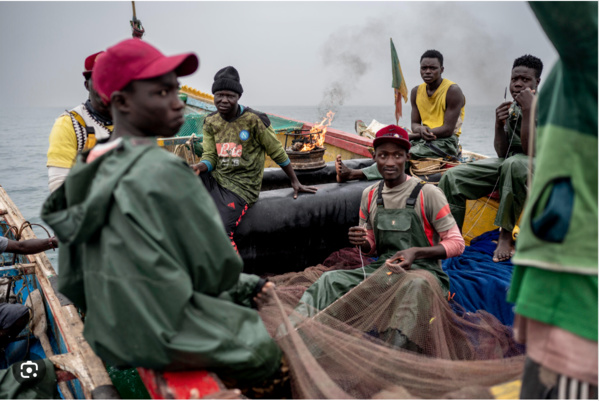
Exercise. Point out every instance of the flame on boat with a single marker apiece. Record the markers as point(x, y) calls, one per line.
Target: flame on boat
point(317, 133)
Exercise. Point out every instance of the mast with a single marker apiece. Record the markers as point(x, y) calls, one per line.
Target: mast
point(137, 30)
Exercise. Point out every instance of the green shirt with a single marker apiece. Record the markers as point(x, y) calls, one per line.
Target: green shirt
point(555, 278)
point(235, 151)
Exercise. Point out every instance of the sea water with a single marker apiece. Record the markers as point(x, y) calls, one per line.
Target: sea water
point(24, 143)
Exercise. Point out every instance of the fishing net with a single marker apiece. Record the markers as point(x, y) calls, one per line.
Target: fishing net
point(194, 121)
point(395, 335)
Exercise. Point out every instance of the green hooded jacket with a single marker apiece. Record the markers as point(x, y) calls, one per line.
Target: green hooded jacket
point(144, 254)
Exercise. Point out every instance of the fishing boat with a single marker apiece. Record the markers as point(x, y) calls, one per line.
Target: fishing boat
point(306, 230)
point(311, 227)
point(55, 331)
point(316, 225)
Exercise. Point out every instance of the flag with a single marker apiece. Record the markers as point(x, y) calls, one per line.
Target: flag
point(399, 84)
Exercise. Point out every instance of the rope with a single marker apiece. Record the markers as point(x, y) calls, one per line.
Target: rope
point(429, 166)
point(19, 231)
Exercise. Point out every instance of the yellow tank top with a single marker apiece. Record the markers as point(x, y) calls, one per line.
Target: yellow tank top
point(432, 109)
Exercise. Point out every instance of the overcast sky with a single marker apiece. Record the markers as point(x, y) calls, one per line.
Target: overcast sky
point(287, 53)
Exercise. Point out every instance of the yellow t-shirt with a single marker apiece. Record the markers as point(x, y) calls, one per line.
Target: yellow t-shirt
point(63, 142)
point(432, 109)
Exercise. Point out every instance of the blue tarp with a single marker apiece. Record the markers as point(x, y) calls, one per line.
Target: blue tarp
point(480, 283)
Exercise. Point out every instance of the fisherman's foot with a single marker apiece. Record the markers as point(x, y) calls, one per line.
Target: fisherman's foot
point(505, 246)
point(343, 172)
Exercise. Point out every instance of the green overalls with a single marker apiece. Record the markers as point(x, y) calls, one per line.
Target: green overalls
point(394, 230)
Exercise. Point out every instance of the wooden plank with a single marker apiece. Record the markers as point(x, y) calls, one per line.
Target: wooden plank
point(80, 360)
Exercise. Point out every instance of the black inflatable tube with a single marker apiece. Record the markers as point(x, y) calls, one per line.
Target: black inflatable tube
point(275, 177)
point(279, 234)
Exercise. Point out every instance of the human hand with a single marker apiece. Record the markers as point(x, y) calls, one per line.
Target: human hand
point(54, 242)
point(357, 236)
point(265, 294)
point(428, 135)
point(405, 258)
point(502, 113)
point(525, 99)
point(199, 168)
point(297, 187)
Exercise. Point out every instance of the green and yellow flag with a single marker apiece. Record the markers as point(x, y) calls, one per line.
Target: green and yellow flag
point(399, 84)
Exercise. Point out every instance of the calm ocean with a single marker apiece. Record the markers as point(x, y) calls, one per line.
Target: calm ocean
point(24, 143)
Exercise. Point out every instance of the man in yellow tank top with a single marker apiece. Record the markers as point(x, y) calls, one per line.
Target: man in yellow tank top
point(437, 111)
point(437, 116)
point(76, 130)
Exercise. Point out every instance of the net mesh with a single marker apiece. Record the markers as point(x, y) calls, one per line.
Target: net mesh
point(392, 336)
point(194, 121)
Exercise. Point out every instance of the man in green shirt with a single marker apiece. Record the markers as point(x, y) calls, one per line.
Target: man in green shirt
point(235, 141)
point(507, 172)
point(554, 285)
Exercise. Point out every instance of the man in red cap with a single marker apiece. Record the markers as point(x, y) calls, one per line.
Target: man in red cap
point(143, 250)
point(77, 130)
point(402, 220)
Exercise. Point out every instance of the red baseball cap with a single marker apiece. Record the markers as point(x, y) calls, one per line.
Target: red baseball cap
point(135, 59)
point(392, 133)
point(89, 64)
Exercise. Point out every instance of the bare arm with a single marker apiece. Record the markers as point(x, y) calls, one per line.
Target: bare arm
point(297, 186)
point(416, 119)
point(408, 256)
point(31, 246)
point(455, 102)
point(501, 141)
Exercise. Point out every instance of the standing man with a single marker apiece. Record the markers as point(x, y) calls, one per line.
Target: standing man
point(77, 130)
point(143, 251)
point(438, 107)
point(508, 172)
point(235, 141)
point(554, 285)
point(402, 220)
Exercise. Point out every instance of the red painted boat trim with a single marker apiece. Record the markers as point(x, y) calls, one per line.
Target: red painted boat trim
point(353, 143)
point(180, 385)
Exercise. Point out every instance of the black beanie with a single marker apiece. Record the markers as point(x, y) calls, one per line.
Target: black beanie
point(227, 79)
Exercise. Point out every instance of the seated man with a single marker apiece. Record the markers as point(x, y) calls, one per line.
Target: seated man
point(507, 173)
point(236, 139)
point(14, 317)
point(424, 234)
point(144, 253)
point(438, 107)
point(77, 130)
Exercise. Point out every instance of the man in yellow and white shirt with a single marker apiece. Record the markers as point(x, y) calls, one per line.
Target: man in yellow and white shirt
point(77, 130)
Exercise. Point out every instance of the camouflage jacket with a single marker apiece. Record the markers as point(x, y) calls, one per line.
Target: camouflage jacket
point(234, 151)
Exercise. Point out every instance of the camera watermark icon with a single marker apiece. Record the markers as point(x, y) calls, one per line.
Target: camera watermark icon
point(30, 372)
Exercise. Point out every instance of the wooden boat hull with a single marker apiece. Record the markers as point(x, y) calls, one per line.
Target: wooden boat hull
point(80, 372)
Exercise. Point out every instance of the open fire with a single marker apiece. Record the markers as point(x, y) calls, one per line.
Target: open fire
point(307, 149)
point(315, 138)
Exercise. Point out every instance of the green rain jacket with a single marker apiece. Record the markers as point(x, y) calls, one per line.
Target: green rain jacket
point(144, 254)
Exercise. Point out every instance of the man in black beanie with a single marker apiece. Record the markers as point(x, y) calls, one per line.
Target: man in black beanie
point(235, 141)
